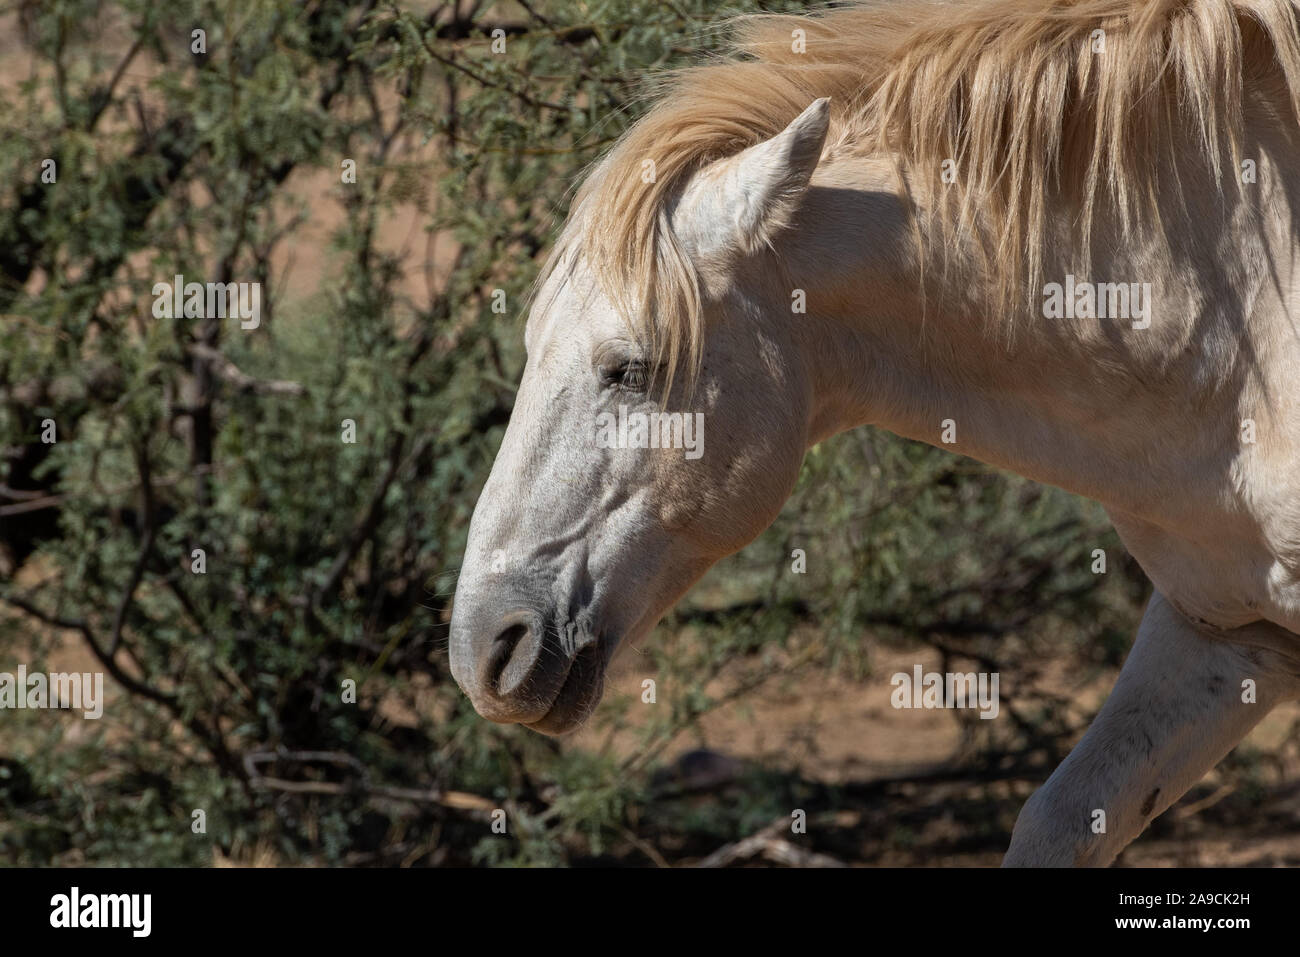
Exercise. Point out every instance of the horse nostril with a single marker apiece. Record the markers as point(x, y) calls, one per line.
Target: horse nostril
point(511, 659)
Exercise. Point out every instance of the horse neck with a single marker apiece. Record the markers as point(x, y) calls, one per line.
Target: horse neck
point(1099, 408)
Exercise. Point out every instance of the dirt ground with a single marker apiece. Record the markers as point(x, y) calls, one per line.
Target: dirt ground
point(900, 791)
point(894, 788)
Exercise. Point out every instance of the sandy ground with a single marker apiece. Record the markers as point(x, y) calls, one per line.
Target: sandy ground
point(828, 730)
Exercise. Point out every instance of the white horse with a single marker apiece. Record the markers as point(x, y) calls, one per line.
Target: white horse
point(1068, 231)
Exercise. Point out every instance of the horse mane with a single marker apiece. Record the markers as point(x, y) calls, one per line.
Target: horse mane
point(1011, 91)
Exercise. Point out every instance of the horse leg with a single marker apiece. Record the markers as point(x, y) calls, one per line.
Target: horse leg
point(1182, 702)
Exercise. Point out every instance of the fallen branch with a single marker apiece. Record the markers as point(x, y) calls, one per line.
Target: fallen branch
point(456, 800)
point(769, 845)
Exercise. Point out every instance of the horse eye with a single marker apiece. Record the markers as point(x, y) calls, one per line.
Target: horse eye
point(628, 375)
point(634, 377)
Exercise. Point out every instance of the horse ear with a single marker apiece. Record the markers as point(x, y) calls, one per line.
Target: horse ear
point(741, 202)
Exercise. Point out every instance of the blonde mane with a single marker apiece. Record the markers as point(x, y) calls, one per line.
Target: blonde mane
point(1010, 90)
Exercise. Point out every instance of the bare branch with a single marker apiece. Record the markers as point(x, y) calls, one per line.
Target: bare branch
point(229, 373)
point(768, 844)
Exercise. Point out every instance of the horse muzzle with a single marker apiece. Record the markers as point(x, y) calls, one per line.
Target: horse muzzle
point(524, 667)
